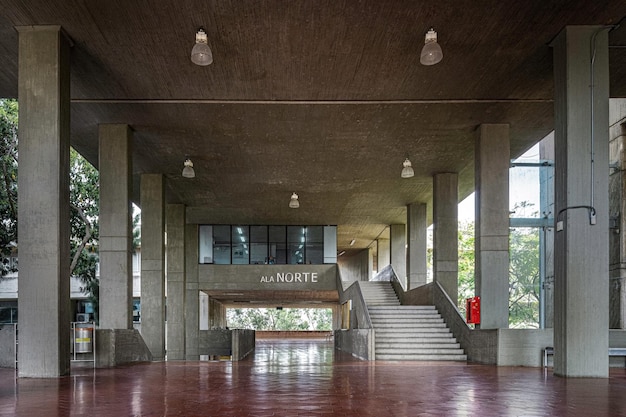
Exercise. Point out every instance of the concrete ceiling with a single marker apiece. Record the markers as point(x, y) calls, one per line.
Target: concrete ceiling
point(321, 97)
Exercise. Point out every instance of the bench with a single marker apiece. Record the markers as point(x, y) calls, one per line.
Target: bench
point(549, 350)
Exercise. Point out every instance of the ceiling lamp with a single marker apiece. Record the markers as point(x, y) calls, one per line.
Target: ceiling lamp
point(201, 53)
point(407, 170)
point(294, 203)
point(431, 52)
point(188, 171)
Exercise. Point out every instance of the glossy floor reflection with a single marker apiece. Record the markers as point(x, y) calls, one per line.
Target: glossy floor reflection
point(309, 378)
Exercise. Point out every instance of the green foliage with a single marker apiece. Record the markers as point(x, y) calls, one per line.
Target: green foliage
point(84, 202)
point(8, 181)
point(466, 264)
point(275, 319)
point(524, 278)
point(523, 273)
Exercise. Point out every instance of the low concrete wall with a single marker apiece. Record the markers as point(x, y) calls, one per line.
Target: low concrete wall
point(215, 342)
point(7, 346)
point(120, 346)
point(523, 347)
point(243, 343)
point(359, 339)
point(358, 342)
point(300, 334)
point(237, 343)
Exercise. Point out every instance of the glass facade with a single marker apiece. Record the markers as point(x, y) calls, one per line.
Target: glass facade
point(256, 245)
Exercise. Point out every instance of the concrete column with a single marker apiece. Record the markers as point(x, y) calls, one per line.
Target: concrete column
point(384, 253)
point(153, 264)
point(192, 296)
point(417, 231)
point(398, 251)
point(581, 248)
point(492, 154)
point(176, 289)
point(546, 243)
point(116, 270)
point(617, 235)
point(43, 200)
point(445, 233)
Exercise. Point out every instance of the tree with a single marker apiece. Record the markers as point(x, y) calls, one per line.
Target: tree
point(466, 263)
point(84, 203)
point(8, 182)
point(275, 319)
point(84, 233)
point(524, 278)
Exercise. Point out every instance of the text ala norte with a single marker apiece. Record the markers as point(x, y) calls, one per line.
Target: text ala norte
point(290, 277)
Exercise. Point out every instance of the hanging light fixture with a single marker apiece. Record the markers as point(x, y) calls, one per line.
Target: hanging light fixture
point(188, 171)
point(431, 52)
point(407, 169)
point(294, 203)
point(201, 53)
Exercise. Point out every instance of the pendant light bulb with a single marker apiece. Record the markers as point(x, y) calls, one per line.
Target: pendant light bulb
point(201, 53)
point(294, 203)
point(188, 171)
point(431, 52)
point(407, 169)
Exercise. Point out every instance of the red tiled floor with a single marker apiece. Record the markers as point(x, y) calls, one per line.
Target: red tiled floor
point(308, 378)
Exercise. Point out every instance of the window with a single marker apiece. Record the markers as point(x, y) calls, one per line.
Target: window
point(221, 245)
point(240, 245)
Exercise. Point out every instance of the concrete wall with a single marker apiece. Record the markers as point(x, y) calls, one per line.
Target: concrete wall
point(7, 346)
point(223, 342)
point(358, 342)
point(354, 267)
point(359, 339)
point(243, 343)
point(523, 347)
point(120, 346)
point(266, 277)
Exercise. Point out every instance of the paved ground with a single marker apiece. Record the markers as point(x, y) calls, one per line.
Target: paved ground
point(309, 378)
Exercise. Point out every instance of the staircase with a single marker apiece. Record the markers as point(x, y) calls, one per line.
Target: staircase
point(415, 333)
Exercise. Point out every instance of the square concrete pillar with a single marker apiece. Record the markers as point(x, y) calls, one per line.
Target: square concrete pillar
point(617, 234)
point(176, 289)
point(192, 295)
point(398, 251)
point(492, 155)
point(116, 269)
point(417, 232)
point(384, 253)
point(43, 200)
point(153, 264)
point(581, 291)
point(446, 233)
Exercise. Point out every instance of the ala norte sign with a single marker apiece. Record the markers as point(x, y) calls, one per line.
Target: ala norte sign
point(290, 277)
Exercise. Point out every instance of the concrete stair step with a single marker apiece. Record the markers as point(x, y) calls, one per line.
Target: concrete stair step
point(412, 331)
point(417, 338)
point(409, 357)
point(406, 320)
point(409, 346)
point(420, 351)
point(406, 326)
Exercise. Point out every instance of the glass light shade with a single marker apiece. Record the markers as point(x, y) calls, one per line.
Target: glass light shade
point(188, 171)
point(201, 53)
point(294, 203)
point(431, 52)
point(407, 170)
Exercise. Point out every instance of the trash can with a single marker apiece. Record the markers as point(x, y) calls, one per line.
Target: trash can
point(83, 339)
